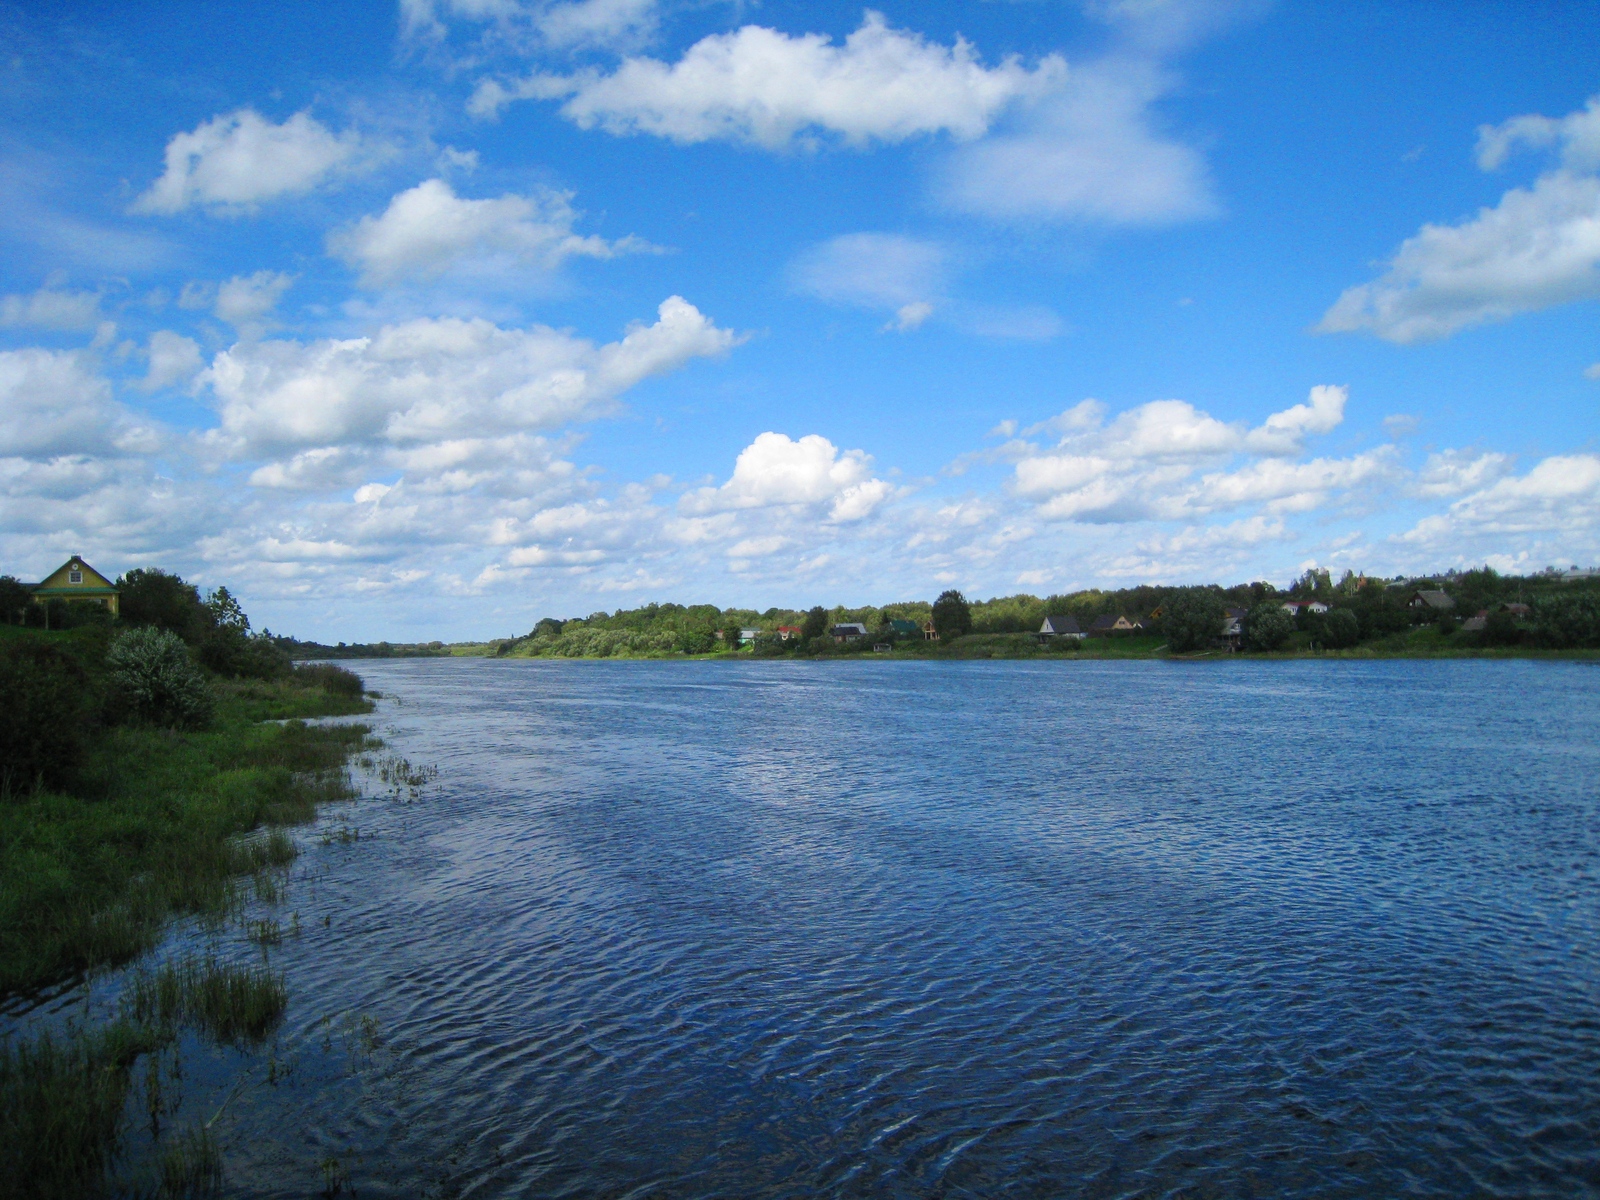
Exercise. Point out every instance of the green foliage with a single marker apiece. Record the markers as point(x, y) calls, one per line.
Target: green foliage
point(815, 624)
point(14, 600)
point(1192, 619)
point(1268, 626)
point(1501, 630)
point(1567, 622)
point(47, 711)
point(952, 616)
point(151, 596)
point(157, 679)
point(1341, 629)
point(1445, 622)
point(730, 637)
point(337, 681)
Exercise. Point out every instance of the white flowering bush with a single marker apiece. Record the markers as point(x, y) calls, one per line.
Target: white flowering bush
point(158, 680)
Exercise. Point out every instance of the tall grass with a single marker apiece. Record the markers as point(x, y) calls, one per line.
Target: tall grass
point(232, 1004)
point(61, 1108)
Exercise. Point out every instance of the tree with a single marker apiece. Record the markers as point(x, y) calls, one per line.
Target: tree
point(151, 596)
point(45, 718)
point(952, 616)
point(1191, 619)
point(815, 624)
point(731, 637)
point(157, 678)
point(14, 600)
point(1341, 629)
point(1501, 630)
point(1268, 626)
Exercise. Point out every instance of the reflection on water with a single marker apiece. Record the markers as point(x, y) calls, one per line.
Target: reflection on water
point(1090, 929)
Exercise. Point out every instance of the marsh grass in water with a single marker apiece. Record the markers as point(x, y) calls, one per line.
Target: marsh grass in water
point(89, 882)
point(191, 1166)
point(231, 1004)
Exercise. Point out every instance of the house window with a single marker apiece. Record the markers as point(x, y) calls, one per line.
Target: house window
point(74, 576)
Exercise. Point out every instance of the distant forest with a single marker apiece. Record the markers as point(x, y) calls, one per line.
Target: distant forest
point(1379, 606)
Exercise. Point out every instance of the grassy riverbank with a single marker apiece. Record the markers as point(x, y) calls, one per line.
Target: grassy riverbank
point(156, 821)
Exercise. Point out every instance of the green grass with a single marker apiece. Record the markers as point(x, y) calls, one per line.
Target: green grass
point(88, 881)
point(233, 1005)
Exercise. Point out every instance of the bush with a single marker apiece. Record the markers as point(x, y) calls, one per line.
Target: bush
point(1268, 626)
point(1341, 629)
point(229, 652)
point(160, 683)
point(1501, 630)
point(47, 710)
point(330, 678)
point(1192, 619)
point(14, 600)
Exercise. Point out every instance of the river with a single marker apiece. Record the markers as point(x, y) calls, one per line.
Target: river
point(976, 929)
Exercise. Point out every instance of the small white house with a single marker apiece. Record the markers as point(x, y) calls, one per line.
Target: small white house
point(746, 636)
point(1066, 627)
point(1295, 607)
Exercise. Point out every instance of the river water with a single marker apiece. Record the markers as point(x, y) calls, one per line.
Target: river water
point(947, 929)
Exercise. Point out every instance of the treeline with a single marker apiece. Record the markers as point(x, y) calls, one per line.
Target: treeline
point(297, 649)
point(1560, 615)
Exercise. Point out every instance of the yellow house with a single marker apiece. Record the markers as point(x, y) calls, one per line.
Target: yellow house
point(77, 580)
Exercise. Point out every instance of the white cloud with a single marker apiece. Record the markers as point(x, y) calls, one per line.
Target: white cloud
point(766, 88)
point(570, 25)
point(775, 470)
point(910, 316)
point(1539, 246)
point(1452, 472)
point(54, 402)
point(51, 308)
point(874, 270)
point(246, 300)
point(431, 379)
point(428, 229)
point(1091, 151)
point(1552, 512)
point(233, 162)
point(1592, 371)
point(1144, 464)
point(173, 359)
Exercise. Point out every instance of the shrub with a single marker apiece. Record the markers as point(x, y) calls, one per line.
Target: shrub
point(330, 677)
point(160, 683)
point(14, 599)
point(1268, 626)
point(1566, 622)
point(47, 709)
point(1341, 629)
point(1501, 630)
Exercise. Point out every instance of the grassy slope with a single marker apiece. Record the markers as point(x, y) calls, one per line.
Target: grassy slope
point(87, 881)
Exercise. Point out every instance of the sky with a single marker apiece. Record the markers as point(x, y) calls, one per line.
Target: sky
point(425, 320)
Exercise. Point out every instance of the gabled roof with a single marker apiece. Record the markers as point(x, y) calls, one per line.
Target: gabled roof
point(1060, 625)
point(1237, 614)
point(1433, 598)
point(1106, 622)
point(900, 626)
point(849, 627)
point(59, 582)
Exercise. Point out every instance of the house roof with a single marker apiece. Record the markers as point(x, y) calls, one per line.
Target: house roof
point(850, 627)
point(900, 626)
point(1061, 624)
point(1434, 598)
point(788, 629)
point(59, 582)
point(1237, 614)
point(1106, 622)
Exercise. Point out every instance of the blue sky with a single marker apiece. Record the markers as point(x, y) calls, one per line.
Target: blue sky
point(427, 320)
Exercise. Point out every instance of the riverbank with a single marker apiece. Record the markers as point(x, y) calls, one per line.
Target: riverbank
point(1422, 642)
point(156, 823)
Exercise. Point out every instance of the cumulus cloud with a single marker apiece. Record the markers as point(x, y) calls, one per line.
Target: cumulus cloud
point(1092, 151)
point(173, 359)
point(428, 229)
point(1554, 510)
point(775, 470)
point(1538, 247)
point(51, 308)
point(54, 402)
point(234, 162)
point(431, 379)
point(1452, 472)
point(1146, 463)
point(762, 87)
point(246, 300)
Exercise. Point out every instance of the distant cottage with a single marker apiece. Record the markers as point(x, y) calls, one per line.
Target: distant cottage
point(848, 631)
point(1062, 626)
point(785, 632)
point(76, 580)
point(905, 629)
point(1105, 626)
point(1430, 601)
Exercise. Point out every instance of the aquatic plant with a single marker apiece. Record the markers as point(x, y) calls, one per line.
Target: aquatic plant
point(230, 1003)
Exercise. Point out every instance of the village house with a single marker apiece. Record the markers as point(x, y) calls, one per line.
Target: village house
point(76, 580)
point(785, 632)
point(848, 631)
point(747, 636)
point(929, 633)
point(1295, 607)
point(1233, 620)
point(1055, 627)
point(1430, 601)
point(1108, 625)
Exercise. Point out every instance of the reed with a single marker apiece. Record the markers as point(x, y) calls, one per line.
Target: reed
point(191, 1166)
point(230, 1003)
